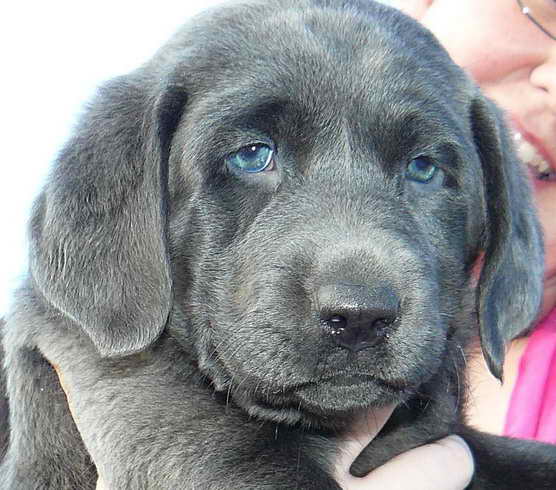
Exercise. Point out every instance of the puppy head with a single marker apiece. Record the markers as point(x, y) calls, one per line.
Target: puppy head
point(308, 194)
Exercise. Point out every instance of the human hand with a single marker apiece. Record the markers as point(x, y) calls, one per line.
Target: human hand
point(446, 464)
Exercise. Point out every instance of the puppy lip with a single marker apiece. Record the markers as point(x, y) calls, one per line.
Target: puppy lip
point(397, 386)
point(338, 379)
point(346, 379)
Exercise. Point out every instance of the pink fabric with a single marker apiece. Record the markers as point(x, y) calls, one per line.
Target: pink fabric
point(532, 410)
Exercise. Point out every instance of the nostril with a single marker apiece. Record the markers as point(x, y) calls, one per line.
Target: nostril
point(335, 325)
point(337, 321)
point(383, 323)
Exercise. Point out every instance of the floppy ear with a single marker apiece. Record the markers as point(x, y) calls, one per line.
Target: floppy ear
point(511, 283)
point(98, 250)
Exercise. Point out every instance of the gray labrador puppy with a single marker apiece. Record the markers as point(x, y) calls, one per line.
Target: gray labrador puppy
point(265, 231)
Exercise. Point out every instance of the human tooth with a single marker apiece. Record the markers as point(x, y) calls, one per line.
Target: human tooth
point(529, 155)
point(526, 151)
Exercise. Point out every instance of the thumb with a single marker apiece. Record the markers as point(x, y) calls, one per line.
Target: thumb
point(444, 465)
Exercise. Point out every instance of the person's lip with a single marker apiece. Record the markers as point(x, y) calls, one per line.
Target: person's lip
point(532, 153)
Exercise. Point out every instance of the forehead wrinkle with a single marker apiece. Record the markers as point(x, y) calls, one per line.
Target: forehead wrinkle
point(332, 152)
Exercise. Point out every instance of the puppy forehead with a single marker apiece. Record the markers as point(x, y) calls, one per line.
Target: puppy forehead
point(307, 49)
point(325, 62)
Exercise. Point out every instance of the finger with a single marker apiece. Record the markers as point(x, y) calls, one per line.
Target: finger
point(444, 465)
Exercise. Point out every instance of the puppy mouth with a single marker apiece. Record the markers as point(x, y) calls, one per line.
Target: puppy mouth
point(342, 395)
point(326, 402)
point(350, 379)
point(347, 380)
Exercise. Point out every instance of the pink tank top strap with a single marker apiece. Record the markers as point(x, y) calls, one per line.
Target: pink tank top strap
point(532, 410)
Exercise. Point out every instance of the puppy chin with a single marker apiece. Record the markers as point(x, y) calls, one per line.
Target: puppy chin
point(277, 411)
point(326, 405)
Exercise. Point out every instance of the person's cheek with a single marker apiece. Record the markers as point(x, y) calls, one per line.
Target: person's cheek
point(413, 8)
point(465, 36)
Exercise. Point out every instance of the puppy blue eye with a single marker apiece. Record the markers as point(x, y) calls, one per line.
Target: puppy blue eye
point(252, 158)
point(421, 170)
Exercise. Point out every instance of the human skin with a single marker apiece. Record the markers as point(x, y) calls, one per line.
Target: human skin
point(514, 62)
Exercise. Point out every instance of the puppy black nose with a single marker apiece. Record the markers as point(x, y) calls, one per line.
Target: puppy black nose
point(355, 316)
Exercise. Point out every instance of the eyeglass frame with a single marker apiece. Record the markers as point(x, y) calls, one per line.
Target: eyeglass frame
point(525, 10)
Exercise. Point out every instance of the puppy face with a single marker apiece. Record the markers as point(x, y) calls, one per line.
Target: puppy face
point(322, 219)
point(305, 186)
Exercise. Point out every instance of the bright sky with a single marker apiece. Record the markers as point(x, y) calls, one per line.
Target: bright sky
point(53, 56)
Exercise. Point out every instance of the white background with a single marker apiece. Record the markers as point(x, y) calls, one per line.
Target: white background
point(53, 55)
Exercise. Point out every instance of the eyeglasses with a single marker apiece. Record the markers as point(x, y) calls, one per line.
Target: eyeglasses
point(542, 13)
